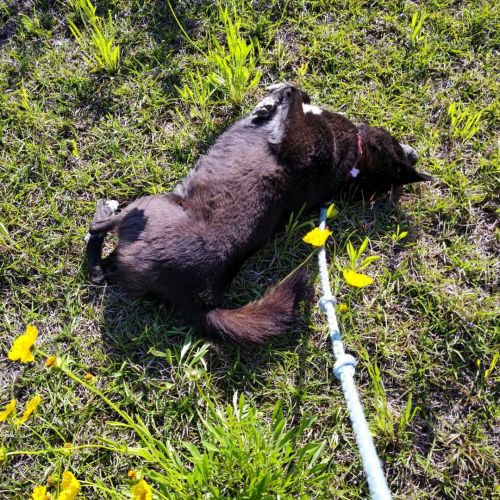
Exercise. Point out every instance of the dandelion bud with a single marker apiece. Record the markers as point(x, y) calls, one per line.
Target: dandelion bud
point(343, 308)
point(3, 455)
point(134, 475)
point(193, 374)
point(54, 362)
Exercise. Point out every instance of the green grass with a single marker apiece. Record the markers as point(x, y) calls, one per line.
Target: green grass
point(234, 422)
point(101, 52)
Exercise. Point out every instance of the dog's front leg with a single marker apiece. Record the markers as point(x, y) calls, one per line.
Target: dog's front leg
point(299, 140)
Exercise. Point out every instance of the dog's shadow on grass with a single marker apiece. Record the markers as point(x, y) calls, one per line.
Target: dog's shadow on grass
point(142, 332)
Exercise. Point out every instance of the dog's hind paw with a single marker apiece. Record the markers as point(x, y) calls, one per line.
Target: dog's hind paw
point(112, 205)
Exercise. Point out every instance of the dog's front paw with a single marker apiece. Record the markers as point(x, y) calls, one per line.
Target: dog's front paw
point(279, 93)
point(265, 108)
point(279, 86)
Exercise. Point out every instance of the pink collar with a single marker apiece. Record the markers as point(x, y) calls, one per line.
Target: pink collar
point(360, 144)
point(354, 172)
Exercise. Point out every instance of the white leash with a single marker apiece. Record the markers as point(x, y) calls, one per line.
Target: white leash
point(344, 369)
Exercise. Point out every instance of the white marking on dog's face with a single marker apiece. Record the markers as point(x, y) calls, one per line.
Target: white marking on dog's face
point(308, 108)
point(354, 172)
point(407, 149)
point(410, 153)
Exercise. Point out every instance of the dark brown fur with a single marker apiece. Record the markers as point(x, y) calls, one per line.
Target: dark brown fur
point(185, 247)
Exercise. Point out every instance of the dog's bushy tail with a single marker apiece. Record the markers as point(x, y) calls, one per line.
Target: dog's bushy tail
point(104, 221)
point(258, 321)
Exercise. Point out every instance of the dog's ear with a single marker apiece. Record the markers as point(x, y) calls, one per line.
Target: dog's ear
point(410, 175)
point(425, 177)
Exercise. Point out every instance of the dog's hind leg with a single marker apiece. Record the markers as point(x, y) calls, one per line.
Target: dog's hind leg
point(104, 220)
point(94, 258)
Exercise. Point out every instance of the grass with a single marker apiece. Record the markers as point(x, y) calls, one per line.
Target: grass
point(220, 420)
point(101, 52)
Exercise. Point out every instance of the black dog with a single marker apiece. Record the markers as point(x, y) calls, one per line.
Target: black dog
point(185, 247)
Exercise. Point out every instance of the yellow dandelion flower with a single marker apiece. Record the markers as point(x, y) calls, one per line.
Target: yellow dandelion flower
point(142, 491)
point(30, 408)
point(4, 415)
point(21, 348)
point(343, 308)
point(89, 377)
point(357, 280)
point(317, 237)
point(40, 493)
point(132, 475)
point(70, 486)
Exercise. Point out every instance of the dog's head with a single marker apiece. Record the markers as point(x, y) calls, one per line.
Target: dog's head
point(383, 162)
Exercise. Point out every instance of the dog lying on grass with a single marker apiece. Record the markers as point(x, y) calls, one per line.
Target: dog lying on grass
point(186, 246)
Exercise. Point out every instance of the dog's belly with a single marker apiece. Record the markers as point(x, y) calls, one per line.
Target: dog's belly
point(238, 190)
point(188, 246)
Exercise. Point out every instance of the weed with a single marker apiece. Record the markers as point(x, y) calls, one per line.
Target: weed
point(197, 94)
point(32, 25)
point(385, 420)
point(417, 23)
point(398, 235)
point(493, 363)
point(295, 224)
point(465, 121)
point(190, 360)
point(4, 234)
point(355, 256)
point(25, 103)
point(253, 460)
point(85, 9)
point(233, 68)
point(100, 50)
